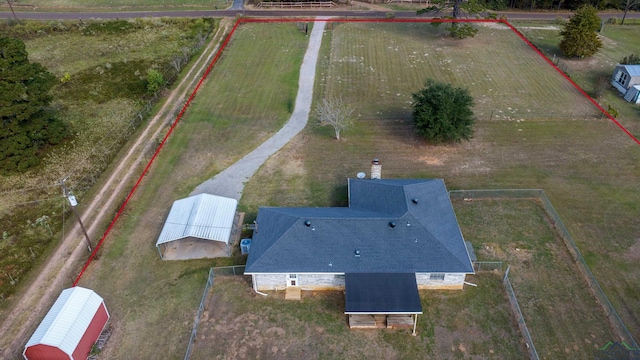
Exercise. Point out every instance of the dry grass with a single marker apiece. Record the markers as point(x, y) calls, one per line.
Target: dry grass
point(588, 167)
point(237, 323)
point(618, 41)
point(100, 103)
point(563, 317)
point(139, 287)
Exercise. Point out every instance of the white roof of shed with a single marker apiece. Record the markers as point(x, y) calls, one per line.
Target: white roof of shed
point(67, 320)
point(203, 216)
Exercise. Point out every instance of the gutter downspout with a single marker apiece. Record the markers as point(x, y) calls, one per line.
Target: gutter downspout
point(255, 286)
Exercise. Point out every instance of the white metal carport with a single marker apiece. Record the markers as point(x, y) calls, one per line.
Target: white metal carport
point(197, 227)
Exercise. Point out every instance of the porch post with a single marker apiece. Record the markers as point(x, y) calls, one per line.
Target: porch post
point(415, 322)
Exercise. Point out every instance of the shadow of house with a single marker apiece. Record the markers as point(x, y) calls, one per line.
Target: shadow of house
point(197, 227)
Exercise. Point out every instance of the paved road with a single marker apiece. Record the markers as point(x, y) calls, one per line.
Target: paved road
point(236, 9)
point(230, 182)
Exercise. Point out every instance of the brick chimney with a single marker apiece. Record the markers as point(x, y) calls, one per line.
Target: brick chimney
point(376, 169)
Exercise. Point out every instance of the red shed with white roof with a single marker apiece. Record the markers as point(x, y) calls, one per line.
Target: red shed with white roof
point(70, 328)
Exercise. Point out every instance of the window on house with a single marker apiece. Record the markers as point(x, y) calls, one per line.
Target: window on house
point(340, 276)
point(436, 277)
point(623, 79)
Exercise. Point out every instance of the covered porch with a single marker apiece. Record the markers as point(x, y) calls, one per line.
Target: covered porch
point(382, 300)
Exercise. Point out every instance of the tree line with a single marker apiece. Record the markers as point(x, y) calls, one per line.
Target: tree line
point(572, 5)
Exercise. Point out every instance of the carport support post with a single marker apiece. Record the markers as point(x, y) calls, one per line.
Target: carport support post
point(415, 322)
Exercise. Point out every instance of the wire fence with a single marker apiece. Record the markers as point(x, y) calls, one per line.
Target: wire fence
point(220, 271)
point(538, 194)
point(487, 266)
point(515, 308)
point(229, 270)
point(196, 322)
point(471, 195)
point(609, 310)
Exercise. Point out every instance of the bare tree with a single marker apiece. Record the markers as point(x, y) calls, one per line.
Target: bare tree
point(627, 5)
point(336, 113)
point(176, 62)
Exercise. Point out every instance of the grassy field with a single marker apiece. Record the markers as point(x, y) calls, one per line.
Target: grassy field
point(588, 167)
point(618, 41)
point(232, 113)
point(542, 273)
point(237, 323)
point(106, 62)
point(57, 5)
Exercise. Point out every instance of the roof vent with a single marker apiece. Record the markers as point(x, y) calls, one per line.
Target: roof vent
point(392, 224)
point(357, 252)
point(361, 175)
point(307, 223)
point(415, 201)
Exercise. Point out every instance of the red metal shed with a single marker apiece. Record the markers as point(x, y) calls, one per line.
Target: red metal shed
point(70, 328)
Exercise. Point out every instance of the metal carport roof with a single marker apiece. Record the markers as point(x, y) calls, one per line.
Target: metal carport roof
point(203, 216)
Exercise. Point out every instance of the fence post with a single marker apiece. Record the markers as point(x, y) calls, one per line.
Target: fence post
point(506, 274)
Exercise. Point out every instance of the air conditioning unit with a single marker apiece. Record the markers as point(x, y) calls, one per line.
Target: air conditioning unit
point(245, 244)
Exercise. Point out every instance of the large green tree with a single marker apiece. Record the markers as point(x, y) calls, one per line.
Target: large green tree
point(442, 112)
point(28, 122)
point(579, 37)
point(458, 9)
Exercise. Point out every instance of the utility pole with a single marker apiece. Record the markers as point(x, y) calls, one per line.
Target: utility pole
point(74, 203)
point(13, 12)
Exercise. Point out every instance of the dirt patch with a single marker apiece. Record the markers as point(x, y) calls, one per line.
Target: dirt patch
point(634, 251)
point(238, 324)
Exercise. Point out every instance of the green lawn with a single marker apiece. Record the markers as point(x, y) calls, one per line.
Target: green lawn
point(562, 315)
point(618, 41)
point(232, 112)
point(588, 167)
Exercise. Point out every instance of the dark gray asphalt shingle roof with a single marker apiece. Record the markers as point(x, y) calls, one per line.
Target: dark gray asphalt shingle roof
point(426, 236)
point(382, 294)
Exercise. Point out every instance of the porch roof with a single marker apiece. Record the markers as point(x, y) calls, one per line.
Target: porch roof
point(375, 293)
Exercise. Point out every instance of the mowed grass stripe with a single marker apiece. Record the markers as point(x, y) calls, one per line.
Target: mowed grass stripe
point(243, 100)
point(249, 95)
point(588, 168)
point(501, 71)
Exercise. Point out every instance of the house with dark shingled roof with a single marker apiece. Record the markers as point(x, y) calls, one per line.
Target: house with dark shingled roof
point(391, 227)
